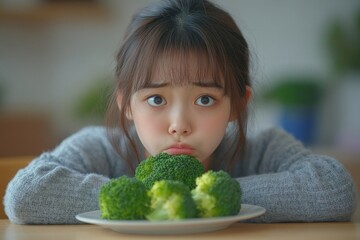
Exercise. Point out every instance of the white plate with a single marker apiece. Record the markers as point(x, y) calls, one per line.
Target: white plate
point(194, 225)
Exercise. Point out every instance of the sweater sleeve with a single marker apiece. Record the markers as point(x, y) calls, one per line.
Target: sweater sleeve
point(57, 185)
point(293, 184)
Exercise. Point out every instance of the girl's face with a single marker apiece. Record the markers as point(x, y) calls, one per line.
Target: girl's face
point(188, 119)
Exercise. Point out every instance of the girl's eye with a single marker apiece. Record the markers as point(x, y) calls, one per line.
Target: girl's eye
point(156, 101)
point(205, 101)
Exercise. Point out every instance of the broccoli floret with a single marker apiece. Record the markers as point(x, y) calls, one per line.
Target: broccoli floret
point(217, 194)
point(171, 200)
point(124, 198)
point(183, 168)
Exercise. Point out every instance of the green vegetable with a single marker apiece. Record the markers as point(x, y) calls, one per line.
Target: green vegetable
point(171, 200)
point(217, 194)
point(183, 168)
point(170, 187)
point(124, 198)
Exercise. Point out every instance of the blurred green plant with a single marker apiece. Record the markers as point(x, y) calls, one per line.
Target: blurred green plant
point(93, 102)
point(295, 91)
point(343, 45)
point(298, 97)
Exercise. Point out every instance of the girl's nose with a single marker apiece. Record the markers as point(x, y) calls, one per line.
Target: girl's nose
point(179, 126)
point(178, 131)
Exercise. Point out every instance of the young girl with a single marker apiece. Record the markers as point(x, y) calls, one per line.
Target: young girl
point(182, 87)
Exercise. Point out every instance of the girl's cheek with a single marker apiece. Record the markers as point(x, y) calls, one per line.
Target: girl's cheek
point(214, 128)
point(149, 125)
point(154, 127)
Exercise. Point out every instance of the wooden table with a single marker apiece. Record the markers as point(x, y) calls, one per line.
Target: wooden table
point(308, 231)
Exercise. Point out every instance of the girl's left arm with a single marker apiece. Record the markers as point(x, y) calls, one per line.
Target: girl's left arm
point(294, 184)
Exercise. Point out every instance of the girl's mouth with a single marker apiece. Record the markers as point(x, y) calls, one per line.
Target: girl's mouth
point(179, 149)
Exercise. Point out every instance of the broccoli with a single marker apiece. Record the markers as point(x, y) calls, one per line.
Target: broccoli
point(124, 198)
point(171, 200)
point(217, 194)
point(183, 168)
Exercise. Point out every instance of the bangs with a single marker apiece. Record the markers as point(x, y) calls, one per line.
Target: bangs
point(181, 51)
point(178, 58)
point(179, 68)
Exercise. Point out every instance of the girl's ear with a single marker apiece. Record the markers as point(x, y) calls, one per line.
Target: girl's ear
point(248, 93)
point(119, 99)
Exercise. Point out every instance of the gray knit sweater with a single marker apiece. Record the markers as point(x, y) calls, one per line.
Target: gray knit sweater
point(277, 173)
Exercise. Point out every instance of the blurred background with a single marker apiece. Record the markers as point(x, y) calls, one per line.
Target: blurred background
point(57, 61)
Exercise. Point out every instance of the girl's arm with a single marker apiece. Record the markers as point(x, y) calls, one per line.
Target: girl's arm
point(294, 184)
point(56, 186)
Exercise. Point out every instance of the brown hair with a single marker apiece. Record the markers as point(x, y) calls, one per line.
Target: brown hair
point(177, 30)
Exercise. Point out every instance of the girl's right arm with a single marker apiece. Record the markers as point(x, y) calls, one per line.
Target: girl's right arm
point(56, 186)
